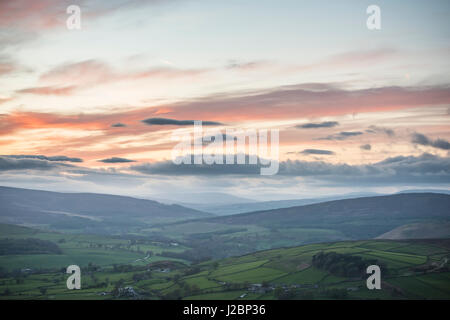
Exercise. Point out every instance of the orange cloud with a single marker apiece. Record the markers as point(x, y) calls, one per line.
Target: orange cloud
point(278, 104)
point(298, 102)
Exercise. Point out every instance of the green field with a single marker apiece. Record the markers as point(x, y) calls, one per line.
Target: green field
point(82, 250)
point(416, 269)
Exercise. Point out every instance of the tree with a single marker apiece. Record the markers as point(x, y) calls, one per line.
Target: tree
point(43, 290)
point(19, 280)
point(282, 294)
point(278, 292)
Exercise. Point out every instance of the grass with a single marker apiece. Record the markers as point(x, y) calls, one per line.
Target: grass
point(227, 278)
point(237, 268)
point(310, 275)
point(257, 275)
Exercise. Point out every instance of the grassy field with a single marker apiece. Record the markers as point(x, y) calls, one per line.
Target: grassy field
point(416, 269)
point(82, 250)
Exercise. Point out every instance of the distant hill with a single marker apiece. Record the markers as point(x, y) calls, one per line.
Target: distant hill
point(349, 219)
point(236, 208)
point(86, 211)
point(222, 206)
point(442, 191)
point(427, 230)
point(200, 200)
point(379, 211)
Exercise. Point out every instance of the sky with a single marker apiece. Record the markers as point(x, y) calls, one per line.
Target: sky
point(357, 110)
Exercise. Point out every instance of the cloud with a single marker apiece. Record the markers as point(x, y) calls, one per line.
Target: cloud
point(247, 66)
point(326, 124)
point(360, 57)
point(118, 125)
point(4, 100)
point(208, 139)
point(277, 103)
point(376, 129)
point(116, 160)
point(426, 168)
point(296, 101)
point(342, 135)
point(317, 151)
point(423, 140)
point(165, 121)
point(51, 14)
point(170, 168)
point(88, 73)
point(58, 91)
point(12, 163)
point(41, 157)
point(366, 147)
point(6, 67)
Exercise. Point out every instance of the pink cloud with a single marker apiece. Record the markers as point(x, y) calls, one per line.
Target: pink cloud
point(58, 91)
point(67, 78)
point(277, 104)
point(30, 15)
point(297, 102)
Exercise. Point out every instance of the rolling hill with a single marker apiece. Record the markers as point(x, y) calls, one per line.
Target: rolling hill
point(426, 230)
point(244, 207)
point(86, 212)
point(411, 269)
point(349, 219)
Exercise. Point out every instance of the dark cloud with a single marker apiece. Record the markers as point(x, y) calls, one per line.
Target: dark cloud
point(326, 124)
point(426, 168)
point(350, 133)
point(423, 140)
point(165, 121)
point(170, 168)
point(207, 140)
point(366, 147)
point(116, 160)
point(41, 157)
point(317, 151)
point(11, 163)
point(342, 135)
point(118, 125)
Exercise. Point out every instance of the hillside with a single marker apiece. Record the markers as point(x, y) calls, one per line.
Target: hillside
point(349, 219)
point(236, 208)
point(430, 230)
point(80, 249)
point(411, 269)
point(392, 208)
point(86, 212)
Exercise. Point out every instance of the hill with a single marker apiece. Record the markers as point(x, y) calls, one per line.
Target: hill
point(426, 230)
point(411, 269)
point(39, 250)
point(86, 212)
point(349, 219)
point(236, 208)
